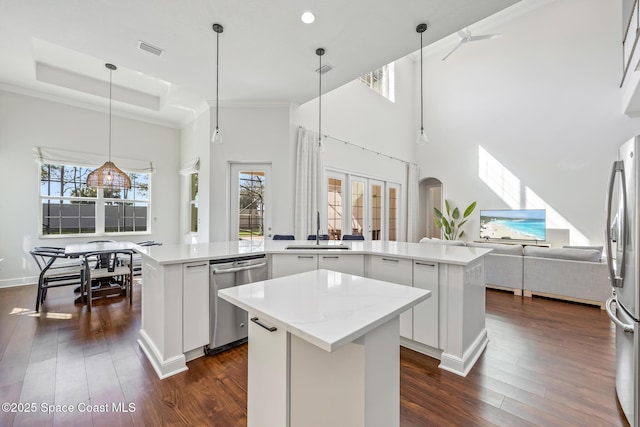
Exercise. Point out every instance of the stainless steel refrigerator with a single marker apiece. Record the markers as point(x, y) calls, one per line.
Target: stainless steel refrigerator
point(623, 258)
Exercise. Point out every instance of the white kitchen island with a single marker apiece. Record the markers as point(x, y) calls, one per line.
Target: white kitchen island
point(450, 325)
point(324, 349)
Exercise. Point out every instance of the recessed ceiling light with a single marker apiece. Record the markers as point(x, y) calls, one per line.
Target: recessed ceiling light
point(308, 17)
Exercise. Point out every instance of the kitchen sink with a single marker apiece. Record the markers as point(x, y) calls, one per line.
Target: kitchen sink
point(316, 246)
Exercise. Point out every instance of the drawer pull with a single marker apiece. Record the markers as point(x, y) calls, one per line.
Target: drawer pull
point(390, 259)
point(425, 264)
point(305, 256)
point(330, 257)
point(259, 323)
point(197, 265)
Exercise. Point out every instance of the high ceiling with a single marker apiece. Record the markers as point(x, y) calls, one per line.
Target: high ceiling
point(267, 55)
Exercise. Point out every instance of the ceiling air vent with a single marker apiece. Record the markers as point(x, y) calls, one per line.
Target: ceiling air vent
point(324, 69)
point(150, 48)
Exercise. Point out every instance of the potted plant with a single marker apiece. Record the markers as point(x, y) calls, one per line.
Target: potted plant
point(451, 228)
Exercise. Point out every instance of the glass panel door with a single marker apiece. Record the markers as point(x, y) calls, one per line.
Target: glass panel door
point(393, 194)
point(358, 186)
point(250, 201)
point(334, 207)
point(376, 215)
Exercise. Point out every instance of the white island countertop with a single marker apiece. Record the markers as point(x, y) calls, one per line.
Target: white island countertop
point(180, 253)
point(325, 308)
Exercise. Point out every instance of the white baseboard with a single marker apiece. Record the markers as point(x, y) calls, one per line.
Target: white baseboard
point(164, 368)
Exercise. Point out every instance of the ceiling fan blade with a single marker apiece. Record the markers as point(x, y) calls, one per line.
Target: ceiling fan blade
point(453, 50)
point(483, 37)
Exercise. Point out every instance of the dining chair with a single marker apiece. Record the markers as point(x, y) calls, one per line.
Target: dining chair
point(112, 277)
point(284, 237)
point(322, 237)
point(352, 237)
point(56, 270)
point(137, 258)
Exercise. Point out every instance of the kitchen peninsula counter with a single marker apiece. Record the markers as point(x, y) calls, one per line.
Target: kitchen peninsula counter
point(448, 326)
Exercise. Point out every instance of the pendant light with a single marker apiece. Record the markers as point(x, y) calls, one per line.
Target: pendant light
point(217, 135)
point(320, 147)
point(422, 138)
point(109, 176)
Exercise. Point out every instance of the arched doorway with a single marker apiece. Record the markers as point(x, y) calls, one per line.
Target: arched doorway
point(430, 196)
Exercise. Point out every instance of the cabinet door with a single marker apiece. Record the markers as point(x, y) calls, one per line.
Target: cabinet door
point(425, 314)
point(195, 305)
point(349, 264)
point(395, 270)
point(268, 381)
point(287, 264)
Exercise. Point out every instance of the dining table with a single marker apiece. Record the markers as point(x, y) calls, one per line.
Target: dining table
point(78, 250)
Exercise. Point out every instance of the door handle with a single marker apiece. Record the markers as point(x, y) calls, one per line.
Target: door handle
point(616, 280)
point(625, 327)
point(235, 269)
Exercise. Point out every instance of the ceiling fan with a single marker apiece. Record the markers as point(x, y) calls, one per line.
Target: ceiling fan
point(465, 36)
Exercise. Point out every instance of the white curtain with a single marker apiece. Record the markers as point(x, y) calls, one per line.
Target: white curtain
point(88, 160)
point(190, 167)
point(413, 176)
point(308, 181)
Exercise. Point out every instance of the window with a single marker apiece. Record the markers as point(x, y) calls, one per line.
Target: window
point(193, 202)
point(70, 208)
point(382, 81)
point(250, 201)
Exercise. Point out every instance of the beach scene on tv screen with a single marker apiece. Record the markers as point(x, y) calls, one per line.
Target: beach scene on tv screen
point(513, 224)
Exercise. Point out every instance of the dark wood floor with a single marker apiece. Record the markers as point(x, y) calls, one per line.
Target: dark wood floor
point(548, 363)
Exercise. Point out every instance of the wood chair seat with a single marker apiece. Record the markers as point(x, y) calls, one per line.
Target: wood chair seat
point(116, 266)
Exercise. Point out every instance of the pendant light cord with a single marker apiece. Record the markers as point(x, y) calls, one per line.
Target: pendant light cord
point(421, 91)
point(110, 98)
point(217, 73)
point(320, 101)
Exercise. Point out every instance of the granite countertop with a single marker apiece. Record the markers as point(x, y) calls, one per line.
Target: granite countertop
point(180, 253)
point(325, 308)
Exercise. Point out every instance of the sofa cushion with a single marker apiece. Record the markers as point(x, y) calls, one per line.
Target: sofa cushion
point(597, 248)
point(499, 248)
point(591, 255)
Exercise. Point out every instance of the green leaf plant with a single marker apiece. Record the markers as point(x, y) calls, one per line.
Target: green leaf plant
point(451, 224)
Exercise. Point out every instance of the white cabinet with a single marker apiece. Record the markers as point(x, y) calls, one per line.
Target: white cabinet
point(425, 314)
point(287, 264)
point(268, 368)
point(343, 263)
point(195, 305)
point(395, 270)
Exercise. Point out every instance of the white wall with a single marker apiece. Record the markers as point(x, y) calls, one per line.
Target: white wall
point(357, 114)
point(26, 122)
point(252, 134)
point(543, 102)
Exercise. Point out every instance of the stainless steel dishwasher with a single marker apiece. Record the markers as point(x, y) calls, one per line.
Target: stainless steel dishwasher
point(228, 323)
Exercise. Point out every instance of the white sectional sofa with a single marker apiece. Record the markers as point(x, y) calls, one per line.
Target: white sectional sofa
point(503, 266)
point(574, 273)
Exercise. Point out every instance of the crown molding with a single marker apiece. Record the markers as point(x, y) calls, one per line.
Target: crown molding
point(88, 106)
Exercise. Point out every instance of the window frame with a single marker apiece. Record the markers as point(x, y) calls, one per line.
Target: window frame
point(100, 205)
point(348, 178)
point(382, 80)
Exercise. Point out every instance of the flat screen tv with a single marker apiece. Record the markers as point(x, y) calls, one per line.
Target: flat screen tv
point(516, 224)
